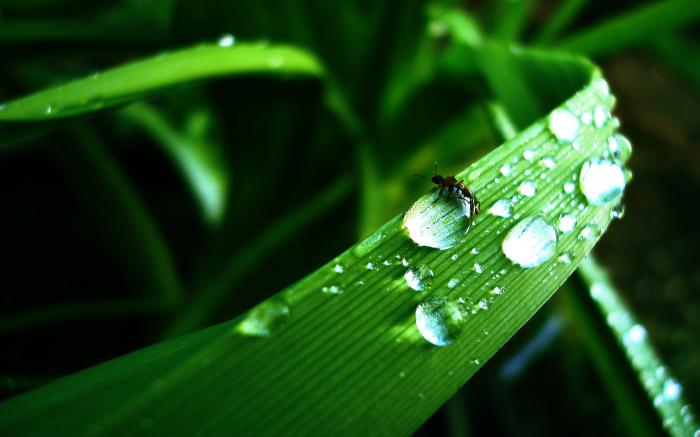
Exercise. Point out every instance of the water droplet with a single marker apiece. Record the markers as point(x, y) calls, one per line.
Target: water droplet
point(564, 258)
point(454, 257)
point(2, 107)
point(531, 242)
point(419, 277)
point(483, 304)
point(474, 251)
point(601, 181)
point(48, 109)
point(502, 208)
point(567, 223)
point(527, 188)
point(672, 389)
point(370, 266)
point(453, 283)
point(339, 268)
point(438, 221)
point(478, 268)
point(564, 125)
point(600, 116)
point(496, 291)
point(439, 320)
point(226, 40)
point(548, 162)
point(506, 170)
point(636, 334)
point(529, 154)
point(368, 244)
point(265, 319)
point(586, 118)
point(386, 262)
point(618, 211)
point(333, 289)
point(569, 187)
point(589, 232)
point(476, 361)
point(404, 262)
point(275, 61)
point(620, 148)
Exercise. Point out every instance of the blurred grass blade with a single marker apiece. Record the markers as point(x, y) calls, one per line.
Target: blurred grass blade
point(664, 391)
point(351, 360)
point(511, 19)
point(633, 28)
point(199, 159)
point(140, 79)
point(562, 17)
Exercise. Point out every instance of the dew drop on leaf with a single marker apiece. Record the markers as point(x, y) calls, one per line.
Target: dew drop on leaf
point(436, 221)
point(502, 208)
point(419, 277)
point(589, 232)
point(439, 320)
point(601, 181)
point(265, 319)
point(563, 125)
point(531, 242)
point(567, 223)
point(226, 40)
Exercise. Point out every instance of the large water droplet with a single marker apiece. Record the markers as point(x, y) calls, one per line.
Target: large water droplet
point(601, 181)
point(439, 320)
point(265, 319)
point(226, 40)
point(419, 277)
point(564, 125)
point(531, 242)
point(438, 221)
point(502, 208)
point(527, 188)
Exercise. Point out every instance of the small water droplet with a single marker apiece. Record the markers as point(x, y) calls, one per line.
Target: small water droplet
point(338, 268)
point(618, 211)
point(333, 289)
point(600, 116)
point(601, 181)
point(370, 266)
point(569, 187)
point(531, 242)
point(564, 125)
point(548, 162)
point(586, 118)
point(419, 277)
point(2, 107)
point(265, 319)
point(386, 262)
point(437, 221)
point(275, 61)
point(474, 251)
point(506, 170)
point(636, 334)
point(404, 262)
point(527, 188)
point(502, 208)
point(589, 232)
point(476, 361)
point(672, 389)
point(439, 320)
point(564, 258)
point(226, 40)
point(368, 244)
point(483, 304)
point(567, 223)
point(496, 291)
point(478, 268)
point(453, 283)
point(48, 109)
point(454, 257)
point(620, 148)
point(529, 154)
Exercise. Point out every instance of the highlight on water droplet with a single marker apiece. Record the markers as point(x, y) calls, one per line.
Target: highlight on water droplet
point(569, 187)
point(437, 221)
point(548, 162)
point(529, 154)
point(589, 232)
point(419, 277)
point(564, 258)
point(564, 125)
point(265, 319)
point(338, 268)
point(453, 283)
point(620, 148)
point(440, 320)
point(478, 268)
point(527, 188)
point(601, 181)
point(531, 242)
point(600, 116)
point(333, 289)
point(226, 40)
point(618, 211)
point(506, 170)
point(502, 208)
point(567, 223)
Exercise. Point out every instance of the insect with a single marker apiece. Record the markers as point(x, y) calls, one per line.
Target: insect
point(453, 186)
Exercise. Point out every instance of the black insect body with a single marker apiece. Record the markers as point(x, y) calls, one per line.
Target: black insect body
point(456, 189)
